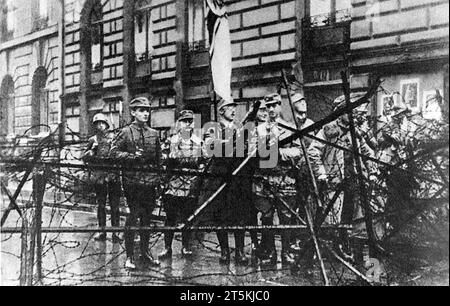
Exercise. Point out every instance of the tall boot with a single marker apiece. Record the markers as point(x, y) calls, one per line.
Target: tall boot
point(114, 202)
point(224, 247)
point(167, 253)
point(342, 246)
point(186, 239)
point(186, 236)
point(239, 239)
point(101, 216)
point(268, 251)
point(286, 256)
point(146, 255)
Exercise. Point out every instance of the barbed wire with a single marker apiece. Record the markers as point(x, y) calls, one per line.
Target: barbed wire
point(69, 188)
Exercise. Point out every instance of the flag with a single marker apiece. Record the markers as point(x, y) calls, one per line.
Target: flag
point(220, 47)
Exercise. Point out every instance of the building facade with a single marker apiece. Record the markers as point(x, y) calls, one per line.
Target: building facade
point(62, 61)
point(406, 43)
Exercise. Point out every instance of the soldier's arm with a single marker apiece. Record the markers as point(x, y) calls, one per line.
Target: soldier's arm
point(315, 152)
point(366, 150)
point(119, 148)
point(88, 152)
point(290, 154)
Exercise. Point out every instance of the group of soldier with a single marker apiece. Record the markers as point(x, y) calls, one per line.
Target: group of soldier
point(256, 192)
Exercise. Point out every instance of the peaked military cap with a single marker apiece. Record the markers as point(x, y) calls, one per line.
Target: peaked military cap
point(140, 102)
point(272, 99)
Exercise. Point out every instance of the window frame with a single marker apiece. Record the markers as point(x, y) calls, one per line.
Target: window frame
point(96, 30)
point(194, 43)
point(46, 11)
point(143, 9)
point(331, 17)
point(10, 18)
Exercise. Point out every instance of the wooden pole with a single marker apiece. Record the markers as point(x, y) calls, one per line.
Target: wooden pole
point(41, 181)
point(358, 165)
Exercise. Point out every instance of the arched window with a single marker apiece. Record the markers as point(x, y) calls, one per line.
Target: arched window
point(91, 40)
point(96, 29)
point(39, 101)
point(7, 106)
point(143, 31)
point(92, 34)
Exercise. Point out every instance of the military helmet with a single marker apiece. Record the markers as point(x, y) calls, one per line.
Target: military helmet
point(341, 101)
point(100, 117)
point(300, 100)
point(399, 110)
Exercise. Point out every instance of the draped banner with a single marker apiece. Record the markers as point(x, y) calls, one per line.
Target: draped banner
point(220, 47)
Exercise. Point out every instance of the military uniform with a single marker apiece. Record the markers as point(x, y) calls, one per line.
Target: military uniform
point(339, 168)
point(106, 183)
point(279, 182)
point(181, 195)
point(393, 146)
point(138, 146)
point(233, 206)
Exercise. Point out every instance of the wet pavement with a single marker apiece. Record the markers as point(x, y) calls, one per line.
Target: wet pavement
point(77, 259)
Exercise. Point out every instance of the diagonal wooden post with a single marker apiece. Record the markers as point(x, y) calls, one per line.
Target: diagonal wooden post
point(359, 170)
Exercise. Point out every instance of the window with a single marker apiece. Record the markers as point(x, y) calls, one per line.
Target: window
point(43, 9)
point(40, 100)
point(10, 17)
point(7, 105)
point(197, 30)
point(143, 32)
point(96, 31)
point(326, 12)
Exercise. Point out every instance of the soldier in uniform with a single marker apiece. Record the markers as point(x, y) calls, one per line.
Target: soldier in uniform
point(392, 149)
point(261, 118)
point(138, 146)
point(279, 182)
point(335, 167)
point(232, 206)
point(263, 115)
point(301, 111)
point(180, 199)
point(106, 183)
point(304, 184)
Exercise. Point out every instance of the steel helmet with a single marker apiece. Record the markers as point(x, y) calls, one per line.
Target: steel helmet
point(100, 117)
point(354, 97)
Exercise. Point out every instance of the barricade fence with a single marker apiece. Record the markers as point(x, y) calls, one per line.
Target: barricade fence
point(55, 167)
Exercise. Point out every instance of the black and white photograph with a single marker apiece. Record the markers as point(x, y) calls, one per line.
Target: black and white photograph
point(225, 148)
